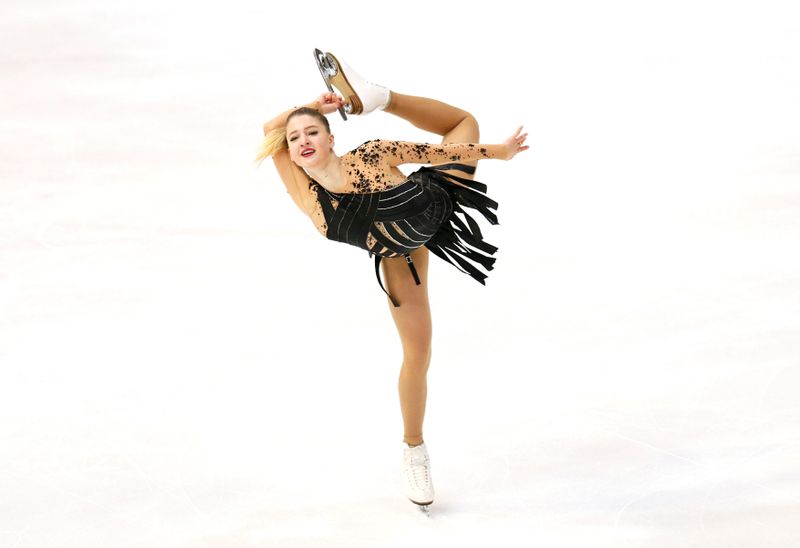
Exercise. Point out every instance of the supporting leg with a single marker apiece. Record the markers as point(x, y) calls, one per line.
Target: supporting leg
point(413, 322)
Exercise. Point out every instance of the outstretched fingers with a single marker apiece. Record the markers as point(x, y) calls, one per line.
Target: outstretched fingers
point(515, 143)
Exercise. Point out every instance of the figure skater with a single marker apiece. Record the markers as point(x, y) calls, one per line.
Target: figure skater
point(361, 198)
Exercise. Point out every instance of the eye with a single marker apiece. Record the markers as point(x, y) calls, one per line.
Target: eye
point(292, 138)
point(313, 132)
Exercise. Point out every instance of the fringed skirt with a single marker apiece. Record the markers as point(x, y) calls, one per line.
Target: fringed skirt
point(424, 210)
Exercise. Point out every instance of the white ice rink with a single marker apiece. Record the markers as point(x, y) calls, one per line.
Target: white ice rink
point(185, 362)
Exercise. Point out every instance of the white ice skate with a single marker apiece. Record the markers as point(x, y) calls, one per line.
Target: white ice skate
point(361, 96)
point(417, 476)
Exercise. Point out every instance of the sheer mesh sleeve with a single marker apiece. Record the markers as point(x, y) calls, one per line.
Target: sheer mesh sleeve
point(404, 152)
point(372, 166)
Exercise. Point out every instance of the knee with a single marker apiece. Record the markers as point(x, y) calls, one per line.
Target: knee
point(417, 360)
point(470, 125)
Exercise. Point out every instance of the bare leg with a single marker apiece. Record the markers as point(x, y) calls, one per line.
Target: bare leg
point(413, 322)
point(413, 317)
point(452, 123)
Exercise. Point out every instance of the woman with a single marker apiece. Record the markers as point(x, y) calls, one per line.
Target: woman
point(363, 199)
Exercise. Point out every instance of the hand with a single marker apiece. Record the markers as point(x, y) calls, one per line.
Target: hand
point(515, 144)
point(329, 102)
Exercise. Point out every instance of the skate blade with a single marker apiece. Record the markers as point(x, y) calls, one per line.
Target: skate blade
point(333, 75)
point(327, 70)
point(425, 508)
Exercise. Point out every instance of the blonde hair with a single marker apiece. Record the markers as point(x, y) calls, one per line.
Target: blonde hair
point(273, 142)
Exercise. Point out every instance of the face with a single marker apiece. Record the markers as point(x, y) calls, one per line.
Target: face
point(309, 142)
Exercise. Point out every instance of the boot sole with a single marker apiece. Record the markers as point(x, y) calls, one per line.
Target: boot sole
point(339, 81)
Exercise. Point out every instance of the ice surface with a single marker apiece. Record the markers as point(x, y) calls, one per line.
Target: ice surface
point(184, 362)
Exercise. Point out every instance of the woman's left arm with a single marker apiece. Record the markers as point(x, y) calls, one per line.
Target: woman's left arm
point(404, 152)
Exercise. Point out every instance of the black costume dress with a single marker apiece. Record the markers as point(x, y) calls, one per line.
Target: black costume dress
point(420, 211)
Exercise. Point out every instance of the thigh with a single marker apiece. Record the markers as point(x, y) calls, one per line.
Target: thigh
point(413, 316)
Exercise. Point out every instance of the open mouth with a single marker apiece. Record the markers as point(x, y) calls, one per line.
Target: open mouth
point(307, 152)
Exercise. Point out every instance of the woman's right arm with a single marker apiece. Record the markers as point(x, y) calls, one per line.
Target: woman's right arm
point(296, 181)
point(279, 122)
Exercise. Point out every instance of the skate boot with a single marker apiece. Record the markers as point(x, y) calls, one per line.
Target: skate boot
point(361, 96)
point(417, 476)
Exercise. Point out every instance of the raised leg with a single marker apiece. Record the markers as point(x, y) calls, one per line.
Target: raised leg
point(452, 123)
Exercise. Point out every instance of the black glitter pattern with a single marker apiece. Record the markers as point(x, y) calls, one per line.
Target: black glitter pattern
point(370, 167)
